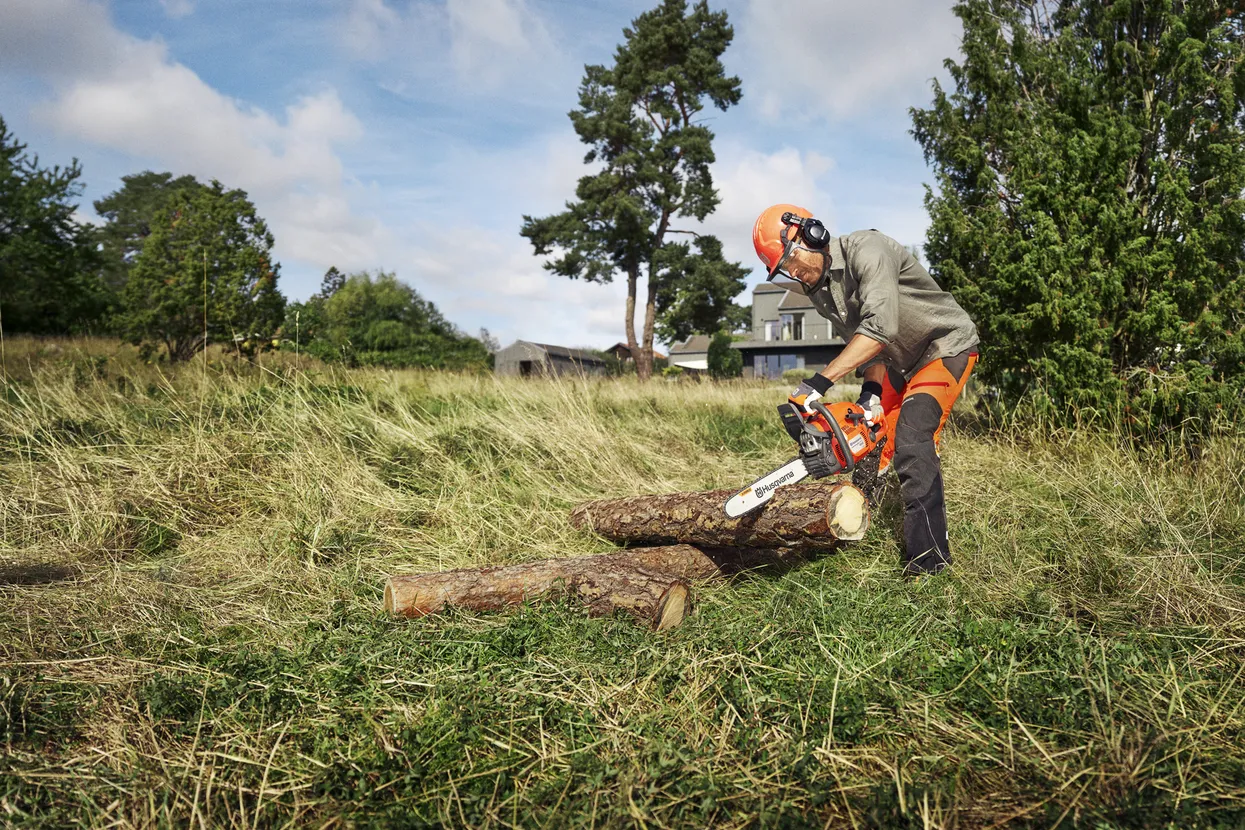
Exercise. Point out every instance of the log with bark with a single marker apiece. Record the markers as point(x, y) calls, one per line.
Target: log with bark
point(649, 583)
point(806, 516)
point(605, 583)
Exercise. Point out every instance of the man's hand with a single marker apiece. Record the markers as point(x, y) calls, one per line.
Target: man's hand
point(809, 391)
point(870, 401)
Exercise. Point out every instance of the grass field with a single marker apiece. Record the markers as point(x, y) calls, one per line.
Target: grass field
point(191, 570)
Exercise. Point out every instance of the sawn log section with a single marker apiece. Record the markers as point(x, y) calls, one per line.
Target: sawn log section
point(649, 583)
point(800, 515)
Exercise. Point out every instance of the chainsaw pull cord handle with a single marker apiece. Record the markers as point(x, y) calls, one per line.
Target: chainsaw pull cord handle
point(820, 409)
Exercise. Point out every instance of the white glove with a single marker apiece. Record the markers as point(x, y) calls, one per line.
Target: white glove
point(870, 401)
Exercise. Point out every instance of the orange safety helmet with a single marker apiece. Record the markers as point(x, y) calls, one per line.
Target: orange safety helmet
point(780, 229)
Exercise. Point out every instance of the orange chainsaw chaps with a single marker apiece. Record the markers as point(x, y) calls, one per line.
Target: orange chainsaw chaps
point(933, 379)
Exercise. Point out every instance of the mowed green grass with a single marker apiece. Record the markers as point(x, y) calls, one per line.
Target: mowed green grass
point(192, 563)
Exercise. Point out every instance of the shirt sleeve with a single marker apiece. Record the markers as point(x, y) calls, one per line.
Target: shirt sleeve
point(877, 276)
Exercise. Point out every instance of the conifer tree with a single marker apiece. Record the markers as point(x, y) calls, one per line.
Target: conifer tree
point(641, 118)
point(49, 269)
point(1088, 211)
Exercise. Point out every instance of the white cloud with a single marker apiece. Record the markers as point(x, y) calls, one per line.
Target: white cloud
point(132, 97)
point(52, 38)
point(842, 58)
point(178, 8)
point(748, 181)
point(490, 44)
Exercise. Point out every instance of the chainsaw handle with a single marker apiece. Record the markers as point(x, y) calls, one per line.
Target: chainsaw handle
point(849, 463)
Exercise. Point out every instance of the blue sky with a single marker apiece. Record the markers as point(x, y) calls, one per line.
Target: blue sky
point(412, 135)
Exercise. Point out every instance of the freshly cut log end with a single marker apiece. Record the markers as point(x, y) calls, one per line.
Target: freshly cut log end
point(848, 510)
point(810, 516)
point(673, 607)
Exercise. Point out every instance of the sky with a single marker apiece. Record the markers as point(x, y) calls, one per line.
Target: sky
point(413, 135)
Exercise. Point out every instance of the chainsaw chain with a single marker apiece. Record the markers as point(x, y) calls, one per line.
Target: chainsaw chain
point(865, 476)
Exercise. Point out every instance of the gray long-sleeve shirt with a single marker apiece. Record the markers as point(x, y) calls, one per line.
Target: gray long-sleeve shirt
point(878, 289)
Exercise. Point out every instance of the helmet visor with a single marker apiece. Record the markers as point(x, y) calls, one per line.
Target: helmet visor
point(782, 273)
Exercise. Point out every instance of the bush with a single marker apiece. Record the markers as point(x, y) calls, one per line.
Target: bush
point(724, 362)
point(380, 321)
point(794, 375)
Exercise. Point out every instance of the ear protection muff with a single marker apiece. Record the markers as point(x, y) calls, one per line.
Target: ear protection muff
point(814, 233)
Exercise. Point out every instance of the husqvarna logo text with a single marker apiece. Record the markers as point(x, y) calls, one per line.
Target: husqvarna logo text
point(761, 491)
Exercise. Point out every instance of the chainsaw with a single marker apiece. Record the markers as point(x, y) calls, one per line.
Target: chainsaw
point(832, 440)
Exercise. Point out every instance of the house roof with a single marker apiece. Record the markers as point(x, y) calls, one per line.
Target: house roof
point(623, 347)
point(578, 355)
point(767, 288)
point(794, 301)
point(695, 343)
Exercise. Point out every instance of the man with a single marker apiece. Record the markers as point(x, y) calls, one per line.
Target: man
point(912, 343)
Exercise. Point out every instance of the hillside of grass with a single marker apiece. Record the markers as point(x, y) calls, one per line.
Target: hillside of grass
point(192, 561)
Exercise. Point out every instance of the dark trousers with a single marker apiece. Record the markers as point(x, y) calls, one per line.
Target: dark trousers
point(916, 412)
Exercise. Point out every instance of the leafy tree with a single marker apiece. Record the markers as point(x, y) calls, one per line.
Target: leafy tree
point(332, 282)
point(640, 118)
point(49, 266)
point(1089, 215)
point(128, 213)
point(724, 362)
point(381, 321)
point(491, 343)
point(206, 246)
point(696, 296)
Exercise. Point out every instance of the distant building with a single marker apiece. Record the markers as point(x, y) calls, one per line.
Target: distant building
point(787, 333)
point(623, 352)
point(540, 359)
point(692, 354)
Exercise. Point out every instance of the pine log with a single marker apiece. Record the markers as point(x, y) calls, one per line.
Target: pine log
point(807, 516)
point(649, 584)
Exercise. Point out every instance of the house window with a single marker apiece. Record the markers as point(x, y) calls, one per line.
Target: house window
point(792, 326)
point(772, 330)
point(771, 366)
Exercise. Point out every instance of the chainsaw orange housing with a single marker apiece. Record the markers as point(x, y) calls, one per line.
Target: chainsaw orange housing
point(851, 419)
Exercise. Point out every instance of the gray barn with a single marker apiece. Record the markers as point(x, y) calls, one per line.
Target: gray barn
point(537, 359)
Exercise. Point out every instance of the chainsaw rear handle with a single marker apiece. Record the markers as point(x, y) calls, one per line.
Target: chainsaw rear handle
point(820, 408)
point(798, 427)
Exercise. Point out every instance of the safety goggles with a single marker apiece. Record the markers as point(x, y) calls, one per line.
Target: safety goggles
point(782, 277)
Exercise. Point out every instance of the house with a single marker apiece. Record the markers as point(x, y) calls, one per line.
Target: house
point(787, 333)
point(622, 351)
point(529, 359)
point(692, 354)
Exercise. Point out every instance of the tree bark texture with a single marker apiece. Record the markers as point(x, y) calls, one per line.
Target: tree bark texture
point(806, 516)
point(634, 582)
point(633, 279)
point(632, 579)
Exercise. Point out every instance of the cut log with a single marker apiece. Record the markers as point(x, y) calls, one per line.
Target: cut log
point(806, 516)
point(634, 581)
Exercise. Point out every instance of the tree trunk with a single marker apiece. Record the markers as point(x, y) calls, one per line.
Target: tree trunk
point(650, 313)
point(807, 516)
point(646, 584)
point(650, 302)
point(633, 278)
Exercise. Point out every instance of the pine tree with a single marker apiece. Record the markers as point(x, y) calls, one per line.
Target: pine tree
point(1088, 213)
point(49, 269)
point(641, 119)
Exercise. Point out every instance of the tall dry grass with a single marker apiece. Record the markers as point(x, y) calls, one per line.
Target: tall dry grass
point(190, 578)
